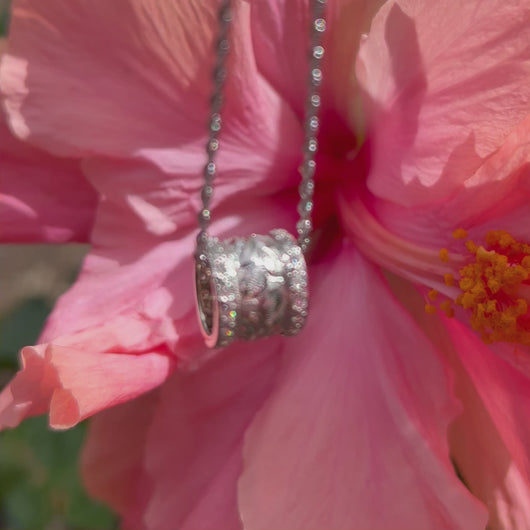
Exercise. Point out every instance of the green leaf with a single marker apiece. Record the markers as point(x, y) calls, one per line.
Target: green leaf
point(40, 486)
point(20, 327)
point(4, 17)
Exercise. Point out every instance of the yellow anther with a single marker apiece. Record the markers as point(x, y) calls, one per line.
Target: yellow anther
point(459, 233)
point(444, 255)
point(522, 307)
point(429, 308)
point(508, 322)
point(466, 284)
point(433, 294)
point(506, 240)
point(471, 246)
point(449, 279)
point(493, 285)
point(450, 312)
point(485, 255)
point(492, 237)
point(491, 306)
point(445, 305)
point(515, 275)
point(468, 301)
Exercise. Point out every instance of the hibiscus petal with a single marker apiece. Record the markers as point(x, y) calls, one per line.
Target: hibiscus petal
point(75, 383)
point(490, 441)
point(346, 19)
point(446, 86)
point(474, 206)
point(133, 280)
point(114, 460)
point(42, 198)
point(357, 420)
point(141, 89)
point(193, 452)
point(133, 296)
point(112, 463)
point(419, 263)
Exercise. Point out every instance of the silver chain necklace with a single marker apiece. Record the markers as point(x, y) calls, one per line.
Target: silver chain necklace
point(256, 286)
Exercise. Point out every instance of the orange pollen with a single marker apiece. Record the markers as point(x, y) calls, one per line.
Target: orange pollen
point(444, 255)
point(445, 305)
point(459, 233)
point(433, 294)
point(449, 280)
point(430, 309)
point(495, 286)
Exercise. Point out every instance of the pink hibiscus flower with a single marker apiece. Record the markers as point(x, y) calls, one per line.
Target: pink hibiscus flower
point(380, 415)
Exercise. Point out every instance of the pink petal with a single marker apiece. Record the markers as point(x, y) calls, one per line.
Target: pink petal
point(133, 296)
point(42, 198)
point(134, 280)
point(446, 87)
point(475, 206)
point(407, 241)
point(284, 24)
point(122, 288)
point(113, 458)
point(490, 441)
point(150, 68)
point(354, 434)
point(401, 254)
point(193, 452)
point(75, 383)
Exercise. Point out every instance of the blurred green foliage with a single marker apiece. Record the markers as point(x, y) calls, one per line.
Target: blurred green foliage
point(4, 16)
point(40, 487)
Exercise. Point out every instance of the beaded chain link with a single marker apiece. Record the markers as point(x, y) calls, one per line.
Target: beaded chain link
point(307, 169)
